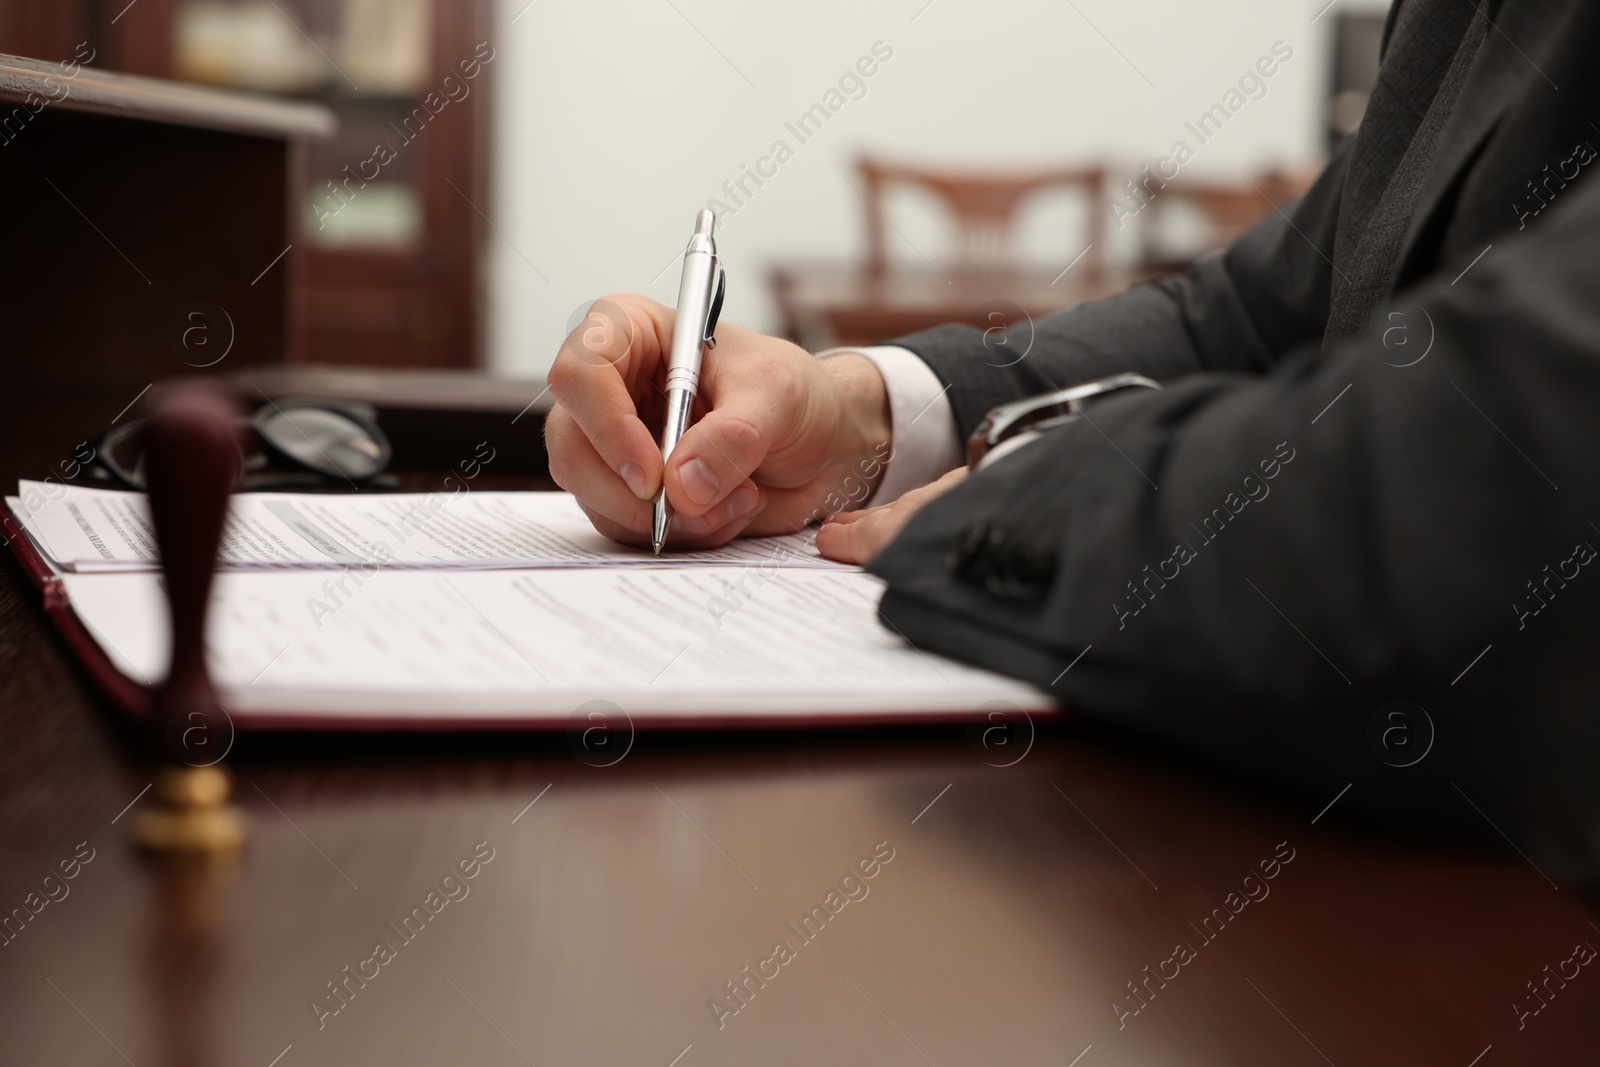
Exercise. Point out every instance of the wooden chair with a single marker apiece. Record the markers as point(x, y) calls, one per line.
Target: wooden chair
point(983, 208)
point(981, 283)
point(1227, 209)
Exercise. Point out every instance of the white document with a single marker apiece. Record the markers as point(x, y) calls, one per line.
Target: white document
point(87, 530)
point(546, 645)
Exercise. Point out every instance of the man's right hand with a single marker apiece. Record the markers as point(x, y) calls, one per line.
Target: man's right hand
point(781, 439)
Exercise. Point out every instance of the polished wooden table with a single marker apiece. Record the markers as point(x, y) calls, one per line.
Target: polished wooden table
point(1010, 917)
point(824, 304)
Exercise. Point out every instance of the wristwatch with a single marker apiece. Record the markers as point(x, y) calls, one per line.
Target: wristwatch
point(1010, 426)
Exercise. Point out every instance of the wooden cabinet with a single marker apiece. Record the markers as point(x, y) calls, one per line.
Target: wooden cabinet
point(150, 232)
point(390, 214)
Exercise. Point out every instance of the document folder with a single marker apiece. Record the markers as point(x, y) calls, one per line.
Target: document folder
point(441, 626)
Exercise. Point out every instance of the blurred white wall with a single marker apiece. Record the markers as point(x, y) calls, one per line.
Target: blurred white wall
point(616, 120)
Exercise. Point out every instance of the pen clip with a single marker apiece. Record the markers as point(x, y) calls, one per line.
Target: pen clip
point(716, 308)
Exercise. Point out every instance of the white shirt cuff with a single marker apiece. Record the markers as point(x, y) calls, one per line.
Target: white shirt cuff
point(926, 443)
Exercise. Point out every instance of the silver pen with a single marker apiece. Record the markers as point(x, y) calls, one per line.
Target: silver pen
point(700, 295)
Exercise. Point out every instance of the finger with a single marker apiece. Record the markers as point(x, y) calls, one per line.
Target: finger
point(718, 537)
point(615, 531)
point(707, 531)
point(605, 499)
point(742, 505)
point(715, 455)
point(616, 346)
point(856, 537)
point(578, 468)
point(924, 494)
point(845, 518)
point(853, 542)
point(751, 412)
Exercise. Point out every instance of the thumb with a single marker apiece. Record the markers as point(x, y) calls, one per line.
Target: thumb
point(716, 456)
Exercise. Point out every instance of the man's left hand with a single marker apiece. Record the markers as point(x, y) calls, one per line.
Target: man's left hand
point(857, 536)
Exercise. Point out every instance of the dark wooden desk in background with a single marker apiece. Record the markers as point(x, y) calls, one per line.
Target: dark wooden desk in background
point(1020, 901)
point(822, 305)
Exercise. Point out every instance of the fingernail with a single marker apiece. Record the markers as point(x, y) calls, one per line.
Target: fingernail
point(633, 474)
point(742, 501)
point(699, 481)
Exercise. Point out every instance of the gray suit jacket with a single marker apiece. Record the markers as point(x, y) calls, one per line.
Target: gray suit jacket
point(1254, 562)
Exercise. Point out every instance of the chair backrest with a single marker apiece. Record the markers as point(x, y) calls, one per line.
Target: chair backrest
point(1227, 209)
point(983, 208)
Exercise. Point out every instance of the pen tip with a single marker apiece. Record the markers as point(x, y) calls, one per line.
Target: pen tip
point(658, 523)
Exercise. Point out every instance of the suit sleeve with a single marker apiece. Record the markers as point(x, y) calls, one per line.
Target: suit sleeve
point(1252, 566)
point(1266, 294)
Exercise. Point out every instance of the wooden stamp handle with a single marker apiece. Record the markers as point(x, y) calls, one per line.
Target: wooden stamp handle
point(191, 456)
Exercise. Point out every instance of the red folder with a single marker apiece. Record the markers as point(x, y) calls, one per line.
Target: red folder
point(123, 691)
point(135, 699)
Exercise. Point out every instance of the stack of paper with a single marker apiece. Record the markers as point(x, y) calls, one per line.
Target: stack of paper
point(89, 530)
point(503, 607)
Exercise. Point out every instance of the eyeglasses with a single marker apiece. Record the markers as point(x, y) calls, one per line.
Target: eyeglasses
point(292, 443)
